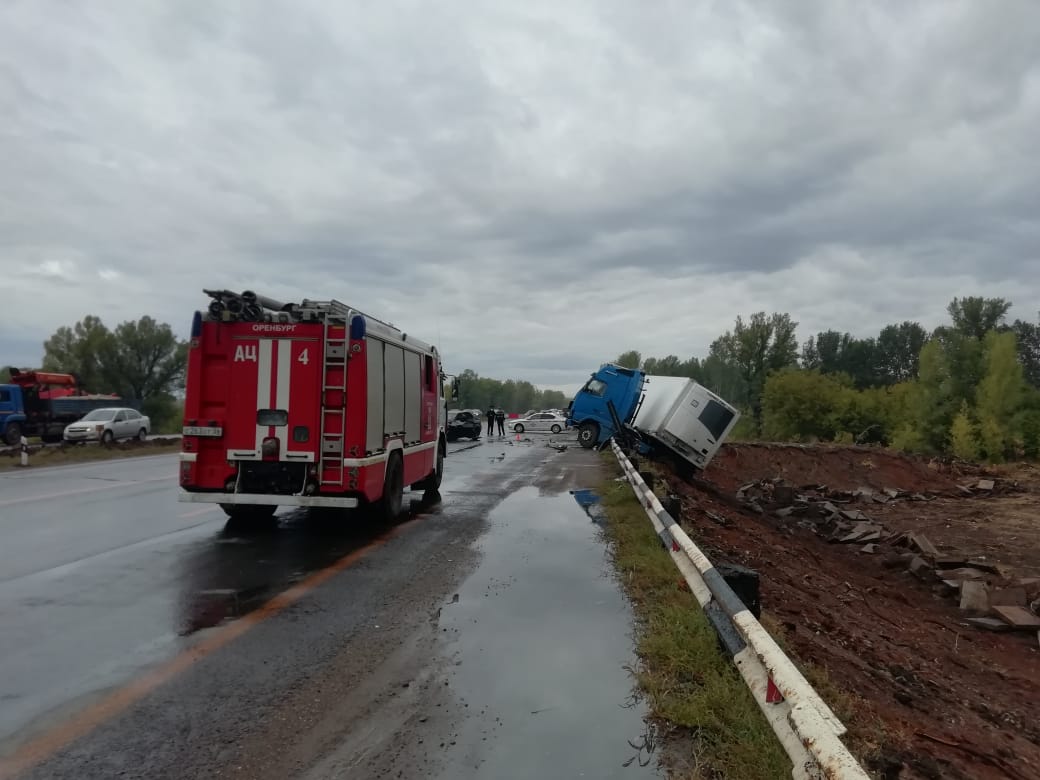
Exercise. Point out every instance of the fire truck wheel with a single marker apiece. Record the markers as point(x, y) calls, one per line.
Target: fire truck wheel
point(588, 434)
point(389, 507)
point(433, 482)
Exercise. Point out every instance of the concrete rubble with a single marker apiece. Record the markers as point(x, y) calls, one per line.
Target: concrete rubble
point(989, 600)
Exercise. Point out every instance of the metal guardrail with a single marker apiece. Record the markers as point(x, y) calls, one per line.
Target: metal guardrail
point(4, 449)
point(806, 727)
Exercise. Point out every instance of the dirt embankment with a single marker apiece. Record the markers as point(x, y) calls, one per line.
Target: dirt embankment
point(953, 700)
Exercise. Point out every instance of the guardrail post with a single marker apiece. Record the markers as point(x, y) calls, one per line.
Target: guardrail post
point(25, 451)
point(672, 505)
point(745, 583)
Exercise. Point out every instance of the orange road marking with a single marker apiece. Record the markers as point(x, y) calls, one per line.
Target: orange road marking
point(197, 512)
point(46, 745)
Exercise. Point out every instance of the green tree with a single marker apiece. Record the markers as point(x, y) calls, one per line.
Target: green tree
point(933, 400)
point(974, 317)
point(801, 406)
point(630, 359)
point(88, 350)
point(756, 348)
point(513, 395)
point(140, 360)
point(723, 379)
point(1027, 335)
point(964, 438)
point(999, 394)
point(898, 351)
point(666, 366)
point(148, 359)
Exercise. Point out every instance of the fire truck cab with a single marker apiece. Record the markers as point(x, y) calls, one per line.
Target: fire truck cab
point(313, 404)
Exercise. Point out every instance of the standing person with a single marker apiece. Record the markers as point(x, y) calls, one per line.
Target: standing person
point(500, 416)
point(491, 420)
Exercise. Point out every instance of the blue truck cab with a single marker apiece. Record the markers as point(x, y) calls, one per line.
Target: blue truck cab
point(591, 409)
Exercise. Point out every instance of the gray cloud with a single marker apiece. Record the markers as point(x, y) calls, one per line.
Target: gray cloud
point(536, 186)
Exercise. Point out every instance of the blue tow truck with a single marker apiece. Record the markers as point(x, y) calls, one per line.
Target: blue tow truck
point(673, 418)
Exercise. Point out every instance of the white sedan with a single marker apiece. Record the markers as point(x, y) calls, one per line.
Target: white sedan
point(107, 425)
point(540, 421)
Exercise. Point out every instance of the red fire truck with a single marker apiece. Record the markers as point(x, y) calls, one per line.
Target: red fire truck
point(314, 404)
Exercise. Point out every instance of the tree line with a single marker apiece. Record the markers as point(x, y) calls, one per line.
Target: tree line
point(143, 360)
point(970, 387)
point(513, 395)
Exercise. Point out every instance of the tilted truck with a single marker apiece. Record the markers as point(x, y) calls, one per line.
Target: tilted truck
point(312, 404)
point(42, 403)
point(664, 416)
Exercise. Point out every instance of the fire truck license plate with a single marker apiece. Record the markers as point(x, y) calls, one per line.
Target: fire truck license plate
point(193, 430)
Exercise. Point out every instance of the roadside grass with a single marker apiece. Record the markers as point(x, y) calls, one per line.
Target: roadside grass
point(42, 457)
point(689, 683)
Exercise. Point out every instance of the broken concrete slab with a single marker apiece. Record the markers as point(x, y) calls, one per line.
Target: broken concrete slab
point(1031, 586)
point(893, 492)
point(1008, 597)
point(966, 573)
point(829, 508)
point(783, 494)
point(873, 536)
point(919, 568)
point(990, 624)
point(868, 548)
point(922, 543)
point(966, 490)
point(1017, 617)
point(855, 515)
point(985, 484)
point(717, 518)
point(974, 597)
point(854, 536)
point(992, 568)
point(950, 561)
point(894, 561)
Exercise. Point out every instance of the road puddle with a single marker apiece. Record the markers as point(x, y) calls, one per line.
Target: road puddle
point(236, 571)
point(538, 642)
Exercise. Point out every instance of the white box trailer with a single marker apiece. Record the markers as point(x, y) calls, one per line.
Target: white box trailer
point(685, 417)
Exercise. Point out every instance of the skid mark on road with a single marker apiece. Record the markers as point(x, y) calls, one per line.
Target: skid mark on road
point(48, 744)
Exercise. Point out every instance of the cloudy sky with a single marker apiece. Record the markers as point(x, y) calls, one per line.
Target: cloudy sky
point(535, 185)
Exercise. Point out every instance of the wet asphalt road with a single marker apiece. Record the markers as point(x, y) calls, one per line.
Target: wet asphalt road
point(482, 636)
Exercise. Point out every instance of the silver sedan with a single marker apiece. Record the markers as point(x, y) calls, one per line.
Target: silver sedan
point(540, 421)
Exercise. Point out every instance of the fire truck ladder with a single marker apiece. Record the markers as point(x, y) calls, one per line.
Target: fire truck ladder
point(333, 380)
